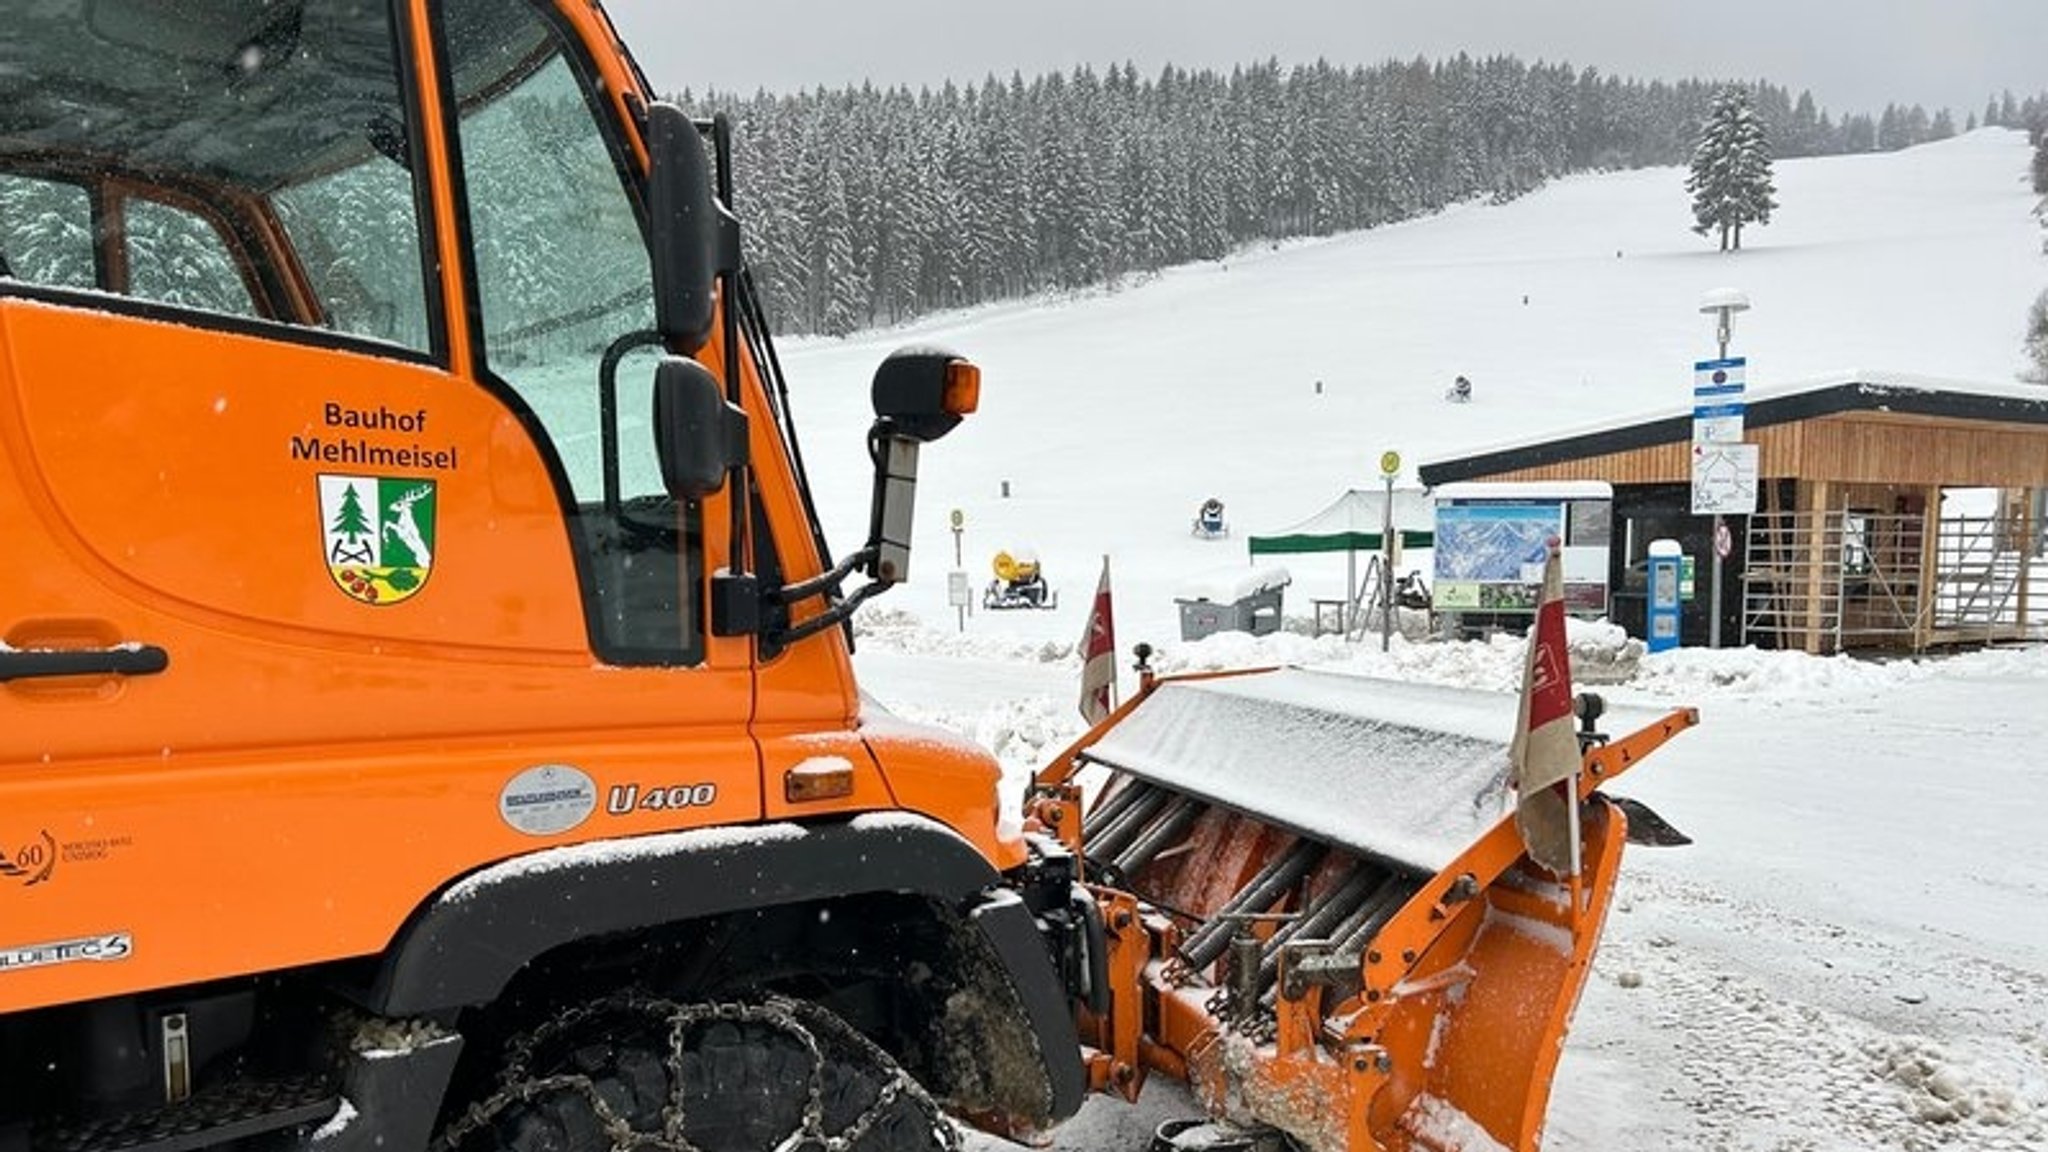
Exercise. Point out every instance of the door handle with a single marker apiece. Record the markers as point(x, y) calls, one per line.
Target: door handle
point(125, 660)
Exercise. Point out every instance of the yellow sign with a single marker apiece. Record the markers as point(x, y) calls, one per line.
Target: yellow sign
point(1390, 463)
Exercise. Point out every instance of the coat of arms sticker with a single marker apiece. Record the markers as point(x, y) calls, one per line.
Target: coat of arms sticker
point(378, 532)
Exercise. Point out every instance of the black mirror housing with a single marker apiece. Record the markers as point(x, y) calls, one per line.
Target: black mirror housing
point(694, 238)
point(922, 393)
point(697, 434)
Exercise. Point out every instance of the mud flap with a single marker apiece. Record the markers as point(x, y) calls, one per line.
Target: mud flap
point(1008, 927)
point(392, 1093)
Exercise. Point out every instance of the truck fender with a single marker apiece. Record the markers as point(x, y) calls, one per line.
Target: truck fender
point(463, 947)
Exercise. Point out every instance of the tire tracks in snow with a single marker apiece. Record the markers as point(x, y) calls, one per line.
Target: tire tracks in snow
point(1746, 1028)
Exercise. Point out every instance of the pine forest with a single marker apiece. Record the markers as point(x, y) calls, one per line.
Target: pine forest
point(869, 206)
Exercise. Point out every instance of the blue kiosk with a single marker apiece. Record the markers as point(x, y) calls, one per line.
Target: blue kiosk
point(1666, 560)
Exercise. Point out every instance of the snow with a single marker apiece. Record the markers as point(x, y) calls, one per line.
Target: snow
point(1854, 952)
point(1410, 773)
point(1557, 936)
point(1523, 489)
point(1449, 1129)
point(1228, 587)
point(339, 1123)
point(596, 853)
point(1875, 382)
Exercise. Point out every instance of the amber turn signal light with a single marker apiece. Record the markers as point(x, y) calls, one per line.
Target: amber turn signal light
point(963, 388)
point(817, 780)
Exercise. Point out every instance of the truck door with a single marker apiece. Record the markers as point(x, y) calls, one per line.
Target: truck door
point(315, 554)
point(561, 312)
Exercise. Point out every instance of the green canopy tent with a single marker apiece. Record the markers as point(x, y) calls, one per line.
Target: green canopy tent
point(1356, 522)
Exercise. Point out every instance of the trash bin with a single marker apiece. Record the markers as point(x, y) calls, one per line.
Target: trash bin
point(1248, 603)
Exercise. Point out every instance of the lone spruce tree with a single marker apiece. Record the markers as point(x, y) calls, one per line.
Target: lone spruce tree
point(1730, 180)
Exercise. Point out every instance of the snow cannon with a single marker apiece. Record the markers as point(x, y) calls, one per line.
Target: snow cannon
point(1018, 583)
point(1318, 909)
point(1018, 567)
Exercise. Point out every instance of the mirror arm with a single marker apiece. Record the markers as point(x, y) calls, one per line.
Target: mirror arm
point(823, 582)
point(726, 264)
point(834, 616)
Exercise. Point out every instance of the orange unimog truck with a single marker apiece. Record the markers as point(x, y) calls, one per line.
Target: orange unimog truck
point(426, 705)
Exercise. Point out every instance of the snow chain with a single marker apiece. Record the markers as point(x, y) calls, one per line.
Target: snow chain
point(800, 1021)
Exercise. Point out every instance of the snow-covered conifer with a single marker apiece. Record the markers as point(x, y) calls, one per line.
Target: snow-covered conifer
point(1730, 179)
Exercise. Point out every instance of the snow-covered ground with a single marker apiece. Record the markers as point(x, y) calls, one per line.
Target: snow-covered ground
point(1854, 954)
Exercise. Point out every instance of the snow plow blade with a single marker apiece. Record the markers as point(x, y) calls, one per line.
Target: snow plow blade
point(1318, 911)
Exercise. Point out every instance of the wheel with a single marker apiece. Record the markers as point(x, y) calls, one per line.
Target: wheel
point(635, 1073)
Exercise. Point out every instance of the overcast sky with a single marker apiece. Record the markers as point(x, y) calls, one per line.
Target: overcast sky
point(1854, 54)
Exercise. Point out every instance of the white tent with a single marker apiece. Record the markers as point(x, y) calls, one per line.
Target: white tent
point(1357, 522)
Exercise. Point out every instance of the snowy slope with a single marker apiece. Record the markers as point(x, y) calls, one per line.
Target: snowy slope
point(1113, 416)
point(1854, 954)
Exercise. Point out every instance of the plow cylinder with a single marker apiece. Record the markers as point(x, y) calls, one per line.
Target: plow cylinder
point(1317, 924)
point(1207, 943)
point(1161, 833)
point(1118, 834)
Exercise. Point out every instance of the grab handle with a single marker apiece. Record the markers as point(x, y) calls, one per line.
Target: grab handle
point(125, 660)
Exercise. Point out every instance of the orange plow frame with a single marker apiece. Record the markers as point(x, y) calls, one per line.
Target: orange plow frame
point(1447, 1024)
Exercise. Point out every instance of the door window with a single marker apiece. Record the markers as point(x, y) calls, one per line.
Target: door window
point(245, 159)
point(45, 232)
point(177, 258)
point(563, 279)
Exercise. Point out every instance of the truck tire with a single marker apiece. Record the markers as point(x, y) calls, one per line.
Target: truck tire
point(656, 1074)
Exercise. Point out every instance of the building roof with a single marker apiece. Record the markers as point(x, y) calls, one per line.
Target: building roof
point(1859, 390)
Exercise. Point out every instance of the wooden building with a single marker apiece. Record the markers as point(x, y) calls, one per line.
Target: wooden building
point(1863, 536)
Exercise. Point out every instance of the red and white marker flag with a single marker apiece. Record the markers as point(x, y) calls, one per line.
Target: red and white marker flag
point(1098, 655)
point(1544, 757)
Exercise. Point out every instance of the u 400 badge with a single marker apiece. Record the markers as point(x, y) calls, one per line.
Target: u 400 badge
point(622, 799)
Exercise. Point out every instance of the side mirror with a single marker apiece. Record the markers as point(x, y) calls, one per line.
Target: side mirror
point(697, 435)
point(694, 237)
point(921, 393)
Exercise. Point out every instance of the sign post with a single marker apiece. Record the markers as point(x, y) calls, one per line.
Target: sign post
point(1390, 467)
point(1717, 393)
point(956, 583)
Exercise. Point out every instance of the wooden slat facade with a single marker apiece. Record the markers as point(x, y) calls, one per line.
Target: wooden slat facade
point(1861, 447)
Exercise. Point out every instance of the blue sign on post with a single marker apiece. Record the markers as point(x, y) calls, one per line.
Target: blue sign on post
point(1717, 400)
point(1665, 601)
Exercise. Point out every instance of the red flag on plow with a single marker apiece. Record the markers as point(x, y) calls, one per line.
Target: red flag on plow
point(1544, 757)
point(1098, 655)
